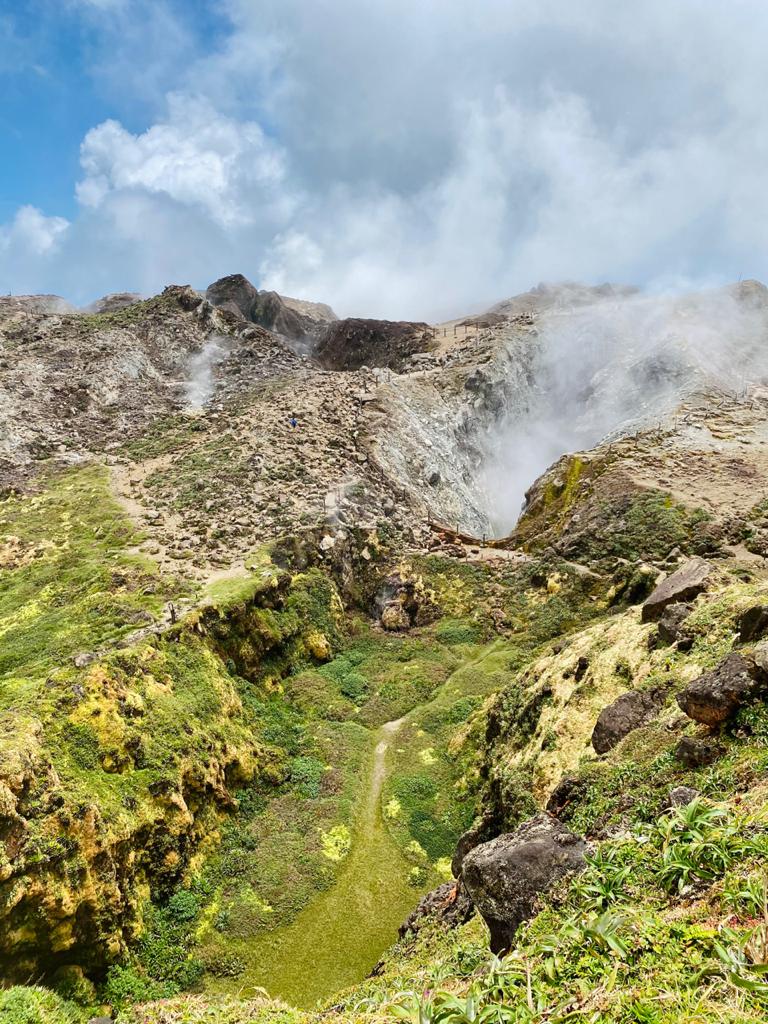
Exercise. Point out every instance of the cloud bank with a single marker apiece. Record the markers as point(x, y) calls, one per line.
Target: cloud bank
point(417, 161)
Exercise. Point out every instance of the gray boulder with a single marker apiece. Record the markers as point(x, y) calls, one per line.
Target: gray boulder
point(628, 712)
point(717, 695)
point(681, 796)
point(671, 624)
point(695, 753)
point(684, 584)
point(505, 876)
point(753, 623)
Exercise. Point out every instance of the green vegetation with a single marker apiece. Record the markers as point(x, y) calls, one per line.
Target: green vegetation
point(70, 582)
point(164, 436)
point(613, 946)
point(644, 525)
point(36, 1005)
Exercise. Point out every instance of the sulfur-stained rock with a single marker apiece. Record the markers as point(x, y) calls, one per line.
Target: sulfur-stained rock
point(505, 876)
point(395, 618)
point(684, 584)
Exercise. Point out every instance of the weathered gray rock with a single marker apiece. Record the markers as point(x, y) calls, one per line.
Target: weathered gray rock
point(694, 753)
point(671, 624)
point(759, 659)
point(753, 623)
point(628, 712)
point(684, 584)
point(505, 876)
point(449, 903)
point(681, 796)
point(717, 695)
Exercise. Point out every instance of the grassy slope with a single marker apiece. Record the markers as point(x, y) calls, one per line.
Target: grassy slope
point(437, 678)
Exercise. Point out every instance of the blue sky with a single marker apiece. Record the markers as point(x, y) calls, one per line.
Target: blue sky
point(392, 158)
point(54, 88)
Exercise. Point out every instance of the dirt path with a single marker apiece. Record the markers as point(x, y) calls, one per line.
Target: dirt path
point(337, 939)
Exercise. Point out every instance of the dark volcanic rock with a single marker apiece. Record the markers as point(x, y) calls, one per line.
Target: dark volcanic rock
point(569, 790)
point(671, 624)
point(505, 876)
point(717, 695)
point(693, 753)
point(479, 833)
point(684, 584)
point(628, 712)
point(449, 903)
point(753, 623)
point(236, 294)
point(269, 310)
point(350, 344)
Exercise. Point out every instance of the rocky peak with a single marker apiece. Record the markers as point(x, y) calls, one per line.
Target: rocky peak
point(293, 318)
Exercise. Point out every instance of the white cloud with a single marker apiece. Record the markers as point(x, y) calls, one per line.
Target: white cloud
point(32, 233)
point(195, 157)
point(417, 160)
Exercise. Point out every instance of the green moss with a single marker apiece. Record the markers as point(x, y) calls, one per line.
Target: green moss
point(69, 580)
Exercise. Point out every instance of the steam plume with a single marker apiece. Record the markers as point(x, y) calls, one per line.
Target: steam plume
point(617, 365)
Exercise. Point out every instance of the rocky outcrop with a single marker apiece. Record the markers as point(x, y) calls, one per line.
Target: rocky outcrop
point(350, 344)
point(111, 303)
point(403, 602)
point(234, 293)
point(684, 584)
point(628, 712)
point(290, 317)
point(716, 696)
point(449, 903)
point(505, 877)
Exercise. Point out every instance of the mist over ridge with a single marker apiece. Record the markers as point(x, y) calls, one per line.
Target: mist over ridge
point(615, 365)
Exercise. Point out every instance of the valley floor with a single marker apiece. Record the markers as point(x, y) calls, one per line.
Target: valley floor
point(336, 940)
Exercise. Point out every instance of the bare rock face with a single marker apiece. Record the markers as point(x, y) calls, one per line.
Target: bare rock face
point(753, 623)
point(717, 695)
point(290, 317)
point(449, 903)
point(684, 584)
point(505, 876)
point(352, 343)
point(628, 712)
point(234, 293)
